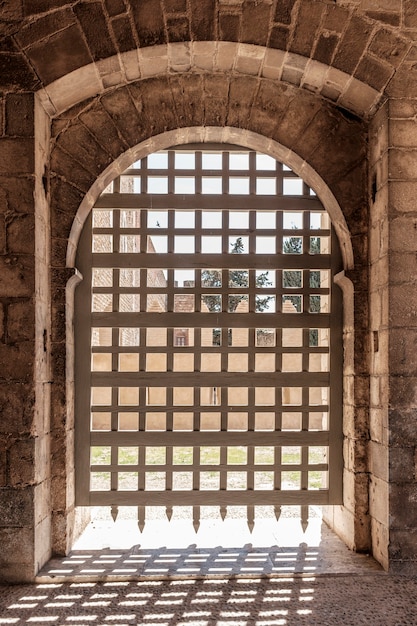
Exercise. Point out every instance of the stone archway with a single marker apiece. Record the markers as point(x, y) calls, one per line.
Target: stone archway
point(261, 144)
point(94, 138)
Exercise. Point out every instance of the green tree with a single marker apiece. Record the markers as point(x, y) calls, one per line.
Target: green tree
point(237, 278)
point(293, 279)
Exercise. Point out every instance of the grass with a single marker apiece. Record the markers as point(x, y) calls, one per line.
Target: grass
point(182, 457)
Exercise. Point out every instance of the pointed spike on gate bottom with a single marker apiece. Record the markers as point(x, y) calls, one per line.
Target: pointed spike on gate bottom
point(196, 518)
point(251, 518)
point(277, 511)
point(168, 512)
point(141, 518)
point(304, 518)
point(114, 512)
point(223, 512)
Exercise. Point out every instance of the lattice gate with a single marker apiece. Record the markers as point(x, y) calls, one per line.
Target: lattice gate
point(208, 339)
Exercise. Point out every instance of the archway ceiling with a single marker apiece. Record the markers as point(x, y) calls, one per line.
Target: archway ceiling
point(46, 40)
point(88, 138)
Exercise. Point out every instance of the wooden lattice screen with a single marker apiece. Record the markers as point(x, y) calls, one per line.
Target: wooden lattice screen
point(208, 338)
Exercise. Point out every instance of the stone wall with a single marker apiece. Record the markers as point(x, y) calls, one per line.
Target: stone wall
point(333, 83)
point(87, 139)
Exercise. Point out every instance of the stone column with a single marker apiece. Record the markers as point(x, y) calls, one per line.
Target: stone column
point(24, 339)
point(402, 348)
point(379, 328)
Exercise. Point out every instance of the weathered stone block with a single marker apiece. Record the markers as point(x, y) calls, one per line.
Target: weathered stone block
point(175, 6)
point(42, 490)
point(20, 233)
point(269, 106)
point(17, 361)
point(388, 46)
point(186, 92)
point(373, 72)
point(402, 196)
point(17, 274)
point(202, 20)
point(42, 542)
point(19, 115)
point(44, 26)
point(125, 115)
point(410, 16)
point(16, 407)
point(58, 491)
point(16, 507)
point(15, 71)
point(279, 37)
point(403, 506)
point(229, 27)
point(58, 321)
point(380, 542)
point(20, 321)
point(93, 21)
point(403, 544)
point(403, 395)
point(16, 555)
point(60, 54)
point(403, 133)
point(378, 418)
point(149, 22)
point(402, 464)
point(22, 463)
point(16, 195)
point(283, 11)
point(336, 18)
point(158, 98)
point(123, 32)
point(16, 156)
point(296, 118)
point(403, 267)
point(65, 166)
point(255, 22)
point(63, 195)
point(378, 499)
point(353, 44)
point(403, 305)
point(403, 351)
point(378, 460)
point(83, 147)
point(178, 29)
point(310, 14)
point(240, 101)
point(115, 7)
point(355, 455)
point(403, 164)
point(402, 108)
point(325, 48)
point(404, 81)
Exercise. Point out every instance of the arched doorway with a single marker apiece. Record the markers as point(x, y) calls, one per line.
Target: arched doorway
point(210, 327)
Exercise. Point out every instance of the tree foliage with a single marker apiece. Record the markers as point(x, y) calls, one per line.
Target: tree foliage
point(293, 279)
point(237, 278)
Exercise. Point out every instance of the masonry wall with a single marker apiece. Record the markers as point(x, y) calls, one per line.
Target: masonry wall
point(402, 403)
point(24, 381)
point(378, 452)
point(312, 76)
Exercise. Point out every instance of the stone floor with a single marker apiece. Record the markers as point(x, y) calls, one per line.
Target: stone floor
point(323, 600)
point(222, 576)
point(109, 551)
